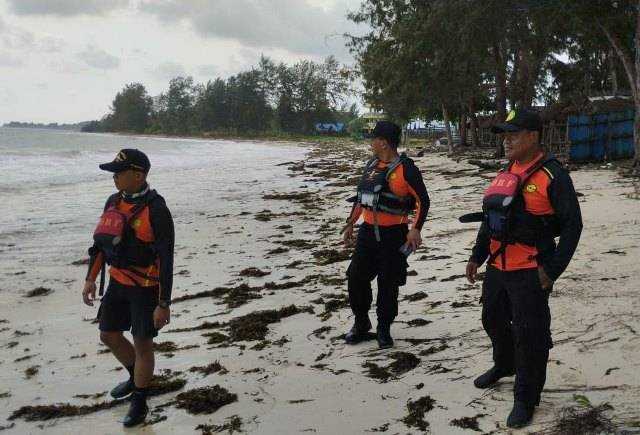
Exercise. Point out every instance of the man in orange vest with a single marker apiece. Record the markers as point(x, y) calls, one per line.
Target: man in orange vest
point(390, 190)
point(525, 209)
point(135, 236)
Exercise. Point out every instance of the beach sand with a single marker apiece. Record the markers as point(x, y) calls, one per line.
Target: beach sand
point(289, 368)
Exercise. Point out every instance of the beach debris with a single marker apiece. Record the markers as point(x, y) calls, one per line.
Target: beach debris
point(161, 384)
point(417, 409)
point(582, 418)
point(82, 262)
point(215, 337)
point(5, 395)
point(434, 349)
point(403, 362)
point(38, 291)
point(414, 323)
point(467, 422)
point(233, 425)
point(298, 243)
point(90, 396)
point(330, 256)
point(232, 296)
point(452, 278)
point(413, 297)
point(31, 372)
point(462, 304)
point(278, 250)
point(253, 272)
point(254, 326)
point(205, 400)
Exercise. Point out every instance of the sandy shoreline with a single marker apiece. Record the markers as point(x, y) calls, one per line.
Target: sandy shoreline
point(301, 377)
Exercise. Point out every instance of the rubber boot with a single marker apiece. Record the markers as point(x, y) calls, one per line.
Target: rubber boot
point(490, 377)
point(138, 410)
point(520, 415)
point(359, 331)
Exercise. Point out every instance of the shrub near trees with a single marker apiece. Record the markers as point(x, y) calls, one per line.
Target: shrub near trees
point(269, 98)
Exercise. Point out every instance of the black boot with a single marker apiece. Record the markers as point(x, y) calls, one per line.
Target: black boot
point(384, 336)
point(491, 376)
point(359, 332)
point(520, 415)
point(123, 389)
point(137, 409)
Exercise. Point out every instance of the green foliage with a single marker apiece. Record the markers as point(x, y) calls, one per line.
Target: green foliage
point(291, 99)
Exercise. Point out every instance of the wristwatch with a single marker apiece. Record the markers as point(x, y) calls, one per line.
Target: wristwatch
point(164, 304)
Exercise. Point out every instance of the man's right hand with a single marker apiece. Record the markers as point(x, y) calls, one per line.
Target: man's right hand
point(89, 293)
point(472, 272)
point(347, 236)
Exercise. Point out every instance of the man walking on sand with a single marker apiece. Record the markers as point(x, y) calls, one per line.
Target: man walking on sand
point(135, 237)
point(527, 205)
point(390, 189)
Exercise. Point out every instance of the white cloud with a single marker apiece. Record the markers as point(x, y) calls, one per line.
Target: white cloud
point(168, 70)
point(209, 70)
point(98, 58)
point(8, 60)
point(293, 25)
point(65, 7)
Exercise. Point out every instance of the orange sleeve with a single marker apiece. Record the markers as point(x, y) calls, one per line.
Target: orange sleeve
point(95, 265)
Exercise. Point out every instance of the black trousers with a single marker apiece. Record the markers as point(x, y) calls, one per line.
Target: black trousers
point(383, 260)
point(515, 315)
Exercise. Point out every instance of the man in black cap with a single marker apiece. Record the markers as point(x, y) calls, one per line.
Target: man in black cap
point(391, 188)
point(525, 208)
point(135, 237)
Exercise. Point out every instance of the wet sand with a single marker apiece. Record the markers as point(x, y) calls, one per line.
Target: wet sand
point(255, 339)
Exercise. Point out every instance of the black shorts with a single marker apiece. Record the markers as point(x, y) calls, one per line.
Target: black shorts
point(126, 308)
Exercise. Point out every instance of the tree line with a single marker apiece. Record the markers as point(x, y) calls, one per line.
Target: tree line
point(270, 97)
point(455, 59)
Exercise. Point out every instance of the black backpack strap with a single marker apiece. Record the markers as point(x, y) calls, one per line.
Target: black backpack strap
point(103, 273)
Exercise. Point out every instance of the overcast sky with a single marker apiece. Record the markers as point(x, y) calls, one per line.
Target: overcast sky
point(64, 60)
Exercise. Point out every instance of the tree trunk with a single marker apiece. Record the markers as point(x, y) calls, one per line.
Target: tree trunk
point(447, 127)
point(463, 130)
point(475, 140)
point(501, 90)
point(612, 72)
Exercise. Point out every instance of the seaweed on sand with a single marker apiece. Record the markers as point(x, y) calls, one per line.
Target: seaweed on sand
point(159, 385)
point(583, 420)
point(330, 256)
point(467, 422)
point(233, 424)
point(38, 291)
point(254, 326)
point(214, 367)
point(403, 362)
point(205, 400)
point(417, 409)
point(253, 272)
point(416, 296)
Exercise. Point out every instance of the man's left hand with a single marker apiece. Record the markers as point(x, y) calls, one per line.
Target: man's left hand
point(161, 317)
point(413, 239)
point(545, 282)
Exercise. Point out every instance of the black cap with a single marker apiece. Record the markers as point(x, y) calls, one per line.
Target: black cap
point(519, 120)
point(128, 159)
point(387, 130)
